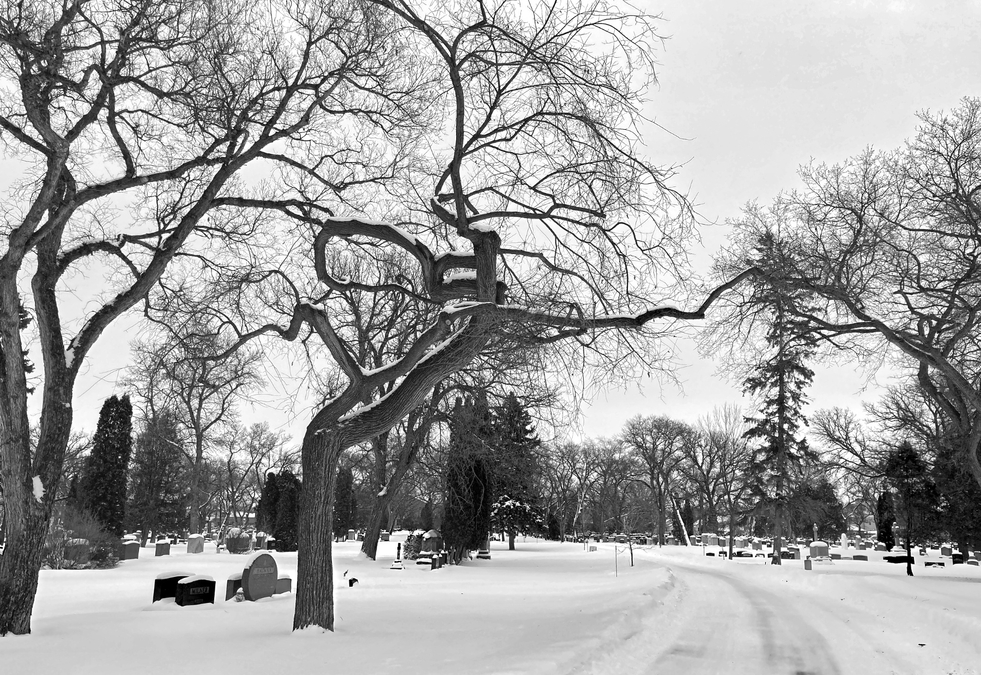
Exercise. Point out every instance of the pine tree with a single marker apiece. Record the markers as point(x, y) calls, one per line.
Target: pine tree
point(515, 509)
point(265, 512)
point(345, 502)
point(467, 506)
point(885, 519)
point(916, 499)
point(103, 483)
point(287, 511)
point(157, 500)
point(779, 380)
point(426, 516)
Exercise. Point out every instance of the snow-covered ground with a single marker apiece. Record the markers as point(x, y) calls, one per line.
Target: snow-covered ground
point(544, 608)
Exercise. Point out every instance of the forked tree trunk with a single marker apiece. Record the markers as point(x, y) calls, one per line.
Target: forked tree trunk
point(314, 565)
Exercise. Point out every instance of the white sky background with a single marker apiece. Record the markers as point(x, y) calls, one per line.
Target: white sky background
point(757, 88)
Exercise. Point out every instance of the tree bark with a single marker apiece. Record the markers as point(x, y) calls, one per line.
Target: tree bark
point(510, 541)
point(373, 530)
point(314, 564)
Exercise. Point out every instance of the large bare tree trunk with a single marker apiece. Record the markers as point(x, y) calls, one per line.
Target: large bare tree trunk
point(20, 564)
point(315, 566)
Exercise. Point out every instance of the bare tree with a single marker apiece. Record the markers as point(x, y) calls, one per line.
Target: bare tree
point(176, 373)
point(133, 122)
point(539, 217)
point(657, 444)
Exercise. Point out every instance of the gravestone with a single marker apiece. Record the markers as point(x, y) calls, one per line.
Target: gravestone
point(844, 540)
point(794, 551)
point(859, 556)
point(957, 558)
point(162, 547)
point(933, 563)
point(195, 590)
point(836, 556)
point(861, 546)
point(819, 549)
point(757, 546)
point(165, 585)
point(129, 550)
point(351, 535)
point(385, 536)
point(284, 584)
point(946, 550)
point(880, 546)
point(195, 543)
point(259, 576)
point(972, 562)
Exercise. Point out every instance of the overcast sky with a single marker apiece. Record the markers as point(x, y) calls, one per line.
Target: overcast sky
point(756, 88)
point(759, 87)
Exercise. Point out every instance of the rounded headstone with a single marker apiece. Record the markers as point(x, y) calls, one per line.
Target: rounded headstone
point(260, 582)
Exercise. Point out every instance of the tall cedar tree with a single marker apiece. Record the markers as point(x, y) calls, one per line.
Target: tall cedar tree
point(885, 518)
point(157, 500)
point(345, 502)
point(779, 381)
point(916, 499)
point(265, 512)
point(286, 529)
point(961, 503)
point(426, 516)
point(515, 510)
point(466, 518)
point(103, 483)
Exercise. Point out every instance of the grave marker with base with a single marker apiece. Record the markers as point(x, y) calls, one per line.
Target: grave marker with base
point(195, 590)
point(129, 550)
point(397, 563)
point(260, 576)
point(162, 548)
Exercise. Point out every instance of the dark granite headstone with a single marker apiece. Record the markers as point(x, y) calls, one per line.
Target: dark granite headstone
point(129, 550)
point(260, 576)
point(162, 547)
point(165, 585)
point(859, 556)
point(196, 590)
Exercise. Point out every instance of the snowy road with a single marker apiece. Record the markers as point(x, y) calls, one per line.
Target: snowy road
point(729, 617)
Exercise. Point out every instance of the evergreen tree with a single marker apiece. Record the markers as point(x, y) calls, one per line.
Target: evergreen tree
point(287, 511)
point(779, 381)
point(265, 512)
point(961, 499)
point(156, 487)
point(103, 483)
point(515, 465)
point(885, 519)
point(426, 516)
point(345, 502)
point(467, 507)
point(915, 496)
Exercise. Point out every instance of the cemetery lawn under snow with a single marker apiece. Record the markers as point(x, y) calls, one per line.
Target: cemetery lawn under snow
point(544, 608)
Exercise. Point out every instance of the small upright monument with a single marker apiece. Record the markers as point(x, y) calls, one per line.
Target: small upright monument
point(397, 563)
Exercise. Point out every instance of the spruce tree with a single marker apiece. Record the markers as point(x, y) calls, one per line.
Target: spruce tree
point(916, 499)
point(103, 483)
point(515, 509)
point(426, 516)
point(265, 512)
point(466, 518)
point(345, 502)
point(779, 381)
point(156, 490)
point(286, 529)
point(885, 518)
